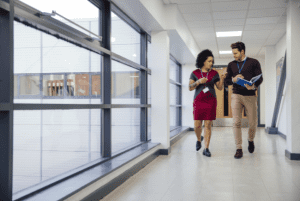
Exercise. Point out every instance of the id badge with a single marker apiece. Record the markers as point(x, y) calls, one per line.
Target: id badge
point(205, 89)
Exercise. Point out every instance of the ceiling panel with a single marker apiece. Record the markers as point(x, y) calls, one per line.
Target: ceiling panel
point(281, 26)
point(262, 20)
point(228, 40)
point(231, 22)
point(259, 27)
point(229, 28)
point(259, 34)
point(189, 1)
point(277, 33)
point(194, 8)
point(197, 17)
point(202, 30)
point(283, 19)
point(254, 41)
point(204, 37)
point(227, 0)
point(272, 41)
point(229, 15)
point(266, 12)
point(200, 24)
point(258, 4)
point(229, 6)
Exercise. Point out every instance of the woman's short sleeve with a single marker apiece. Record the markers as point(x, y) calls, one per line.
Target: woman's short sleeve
point(193, 77)
point(216, 78)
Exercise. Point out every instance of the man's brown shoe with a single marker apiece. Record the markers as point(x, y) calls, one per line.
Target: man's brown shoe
point(238, 154)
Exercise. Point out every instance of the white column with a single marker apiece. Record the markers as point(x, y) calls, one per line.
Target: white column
point(292, 78)
point(160, 102)
point(270, 84)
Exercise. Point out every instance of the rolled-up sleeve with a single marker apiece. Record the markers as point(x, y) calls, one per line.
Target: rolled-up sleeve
point(193, 77)
point(228, 79)
point(257, 71)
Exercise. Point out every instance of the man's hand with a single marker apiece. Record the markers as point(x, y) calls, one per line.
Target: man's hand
point(235, 78)
point(250, 87)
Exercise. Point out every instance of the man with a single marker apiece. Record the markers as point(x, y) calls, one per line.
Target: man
point(246, 68)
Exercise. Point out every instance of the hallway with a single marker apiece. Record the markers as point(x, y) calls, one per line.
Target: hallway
point(188, 175)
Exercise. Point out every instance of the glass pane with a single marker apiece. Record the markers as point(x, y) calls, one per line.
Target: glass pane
point(15, 85)
point(172, 117)
point(52, 142)
point(149, 123)
point(174, 99)
point(125, 41)
point(149, 89)
point(81, 12)
point(29, 85)
point(125, 128)
point(173, 69)
point(125, 84)
point(148, 54)
point(65, 69)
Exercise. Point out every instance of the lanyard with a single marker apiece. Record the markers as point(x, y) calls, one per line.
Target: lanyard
point(240, 70)
point(206, 75)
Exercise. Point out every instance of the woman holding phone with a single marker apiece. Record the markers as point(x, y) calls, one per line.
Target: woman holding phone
point(202, 80)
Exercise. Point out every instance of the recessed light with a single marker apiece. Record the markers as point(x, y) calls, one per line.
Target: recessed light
point(134, 55)
point(113, 39)
point(225, 52)
point(229, 33)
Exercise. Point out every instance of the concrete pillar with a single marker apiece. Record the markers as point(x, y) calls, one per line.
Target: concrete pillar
point(292, 81)
point(270, 84)
point(160, 113)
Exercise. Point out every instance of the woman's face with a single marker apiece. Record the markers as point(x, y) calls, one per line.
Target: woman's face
point(208, 63)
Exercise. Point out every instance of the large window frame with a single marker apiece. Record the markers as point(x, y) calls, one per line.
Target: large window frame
point(18, 11)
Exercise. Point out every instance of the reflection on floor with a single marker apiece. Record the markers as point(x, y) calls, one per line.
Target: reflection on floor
point(188, 175)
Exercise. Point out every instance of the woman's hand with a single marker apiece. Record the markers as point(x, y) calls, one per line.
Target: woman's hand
point(223, 75)
point(202, 80)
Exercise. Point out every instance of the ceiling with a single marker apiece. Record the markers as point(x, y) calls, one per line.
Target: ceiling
point(262, 22)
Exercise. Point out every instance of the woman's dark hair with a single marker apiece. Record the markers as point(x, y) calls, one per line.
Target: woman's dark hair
point(239, 45)
point(202, 57)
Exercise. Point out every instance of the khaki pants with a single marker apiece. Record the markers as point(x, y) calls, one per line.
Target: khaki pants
point(237, 104)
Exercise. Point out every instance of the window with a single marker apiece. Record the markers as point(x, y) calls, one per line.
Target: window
point(175, 94)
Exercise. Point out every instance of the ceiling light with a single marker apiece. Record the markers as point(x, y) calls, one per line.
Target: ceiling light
point(113, 15)
point(113, 39)
point(225, 52)
point(134, 55)
point(229, 33)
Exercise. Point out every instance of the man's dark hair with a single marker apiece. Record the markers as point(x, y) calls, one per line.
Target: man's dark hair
point(202, 57)
point(239, 45)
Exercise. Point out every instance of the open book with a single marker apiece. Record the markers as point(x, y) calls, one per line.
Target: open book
point(242, 82)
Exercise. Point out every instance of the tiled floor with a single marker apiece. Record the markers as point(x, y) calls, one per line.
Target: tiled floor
point(187, 175)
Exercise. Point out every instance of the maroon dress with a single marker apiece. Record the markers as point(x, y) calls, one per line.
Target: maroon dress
point(205, 104)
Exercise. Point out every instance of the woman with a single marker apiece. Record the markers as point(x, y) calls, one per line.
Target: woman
point(205, 101)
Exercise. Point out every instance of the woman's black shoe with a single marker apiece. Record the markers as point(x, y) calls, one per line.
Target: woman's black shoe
point(206, 152)
point(198, 146)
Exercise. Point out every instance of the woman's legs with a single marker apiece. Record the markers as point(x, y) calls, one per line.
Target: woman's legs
point(207, 132)
point(198, 129)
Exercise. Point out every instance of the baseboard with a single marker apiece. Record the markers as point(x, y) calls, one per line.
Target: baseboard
point(292, 156)
point(165, 151)
point(261, 125)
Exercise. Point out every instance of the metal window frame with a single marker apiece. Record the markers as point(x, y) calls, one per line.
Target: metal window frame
point(31, 17)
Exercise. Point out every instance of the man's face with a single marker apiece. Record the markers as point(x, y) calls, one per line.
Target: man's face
point(237, 54)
